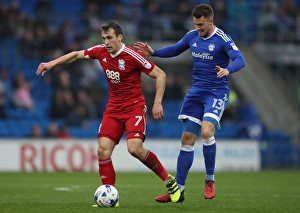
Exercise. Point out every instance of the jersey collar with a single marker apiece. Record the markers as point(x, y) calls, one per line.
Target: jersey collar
point(120, 50)
point(214, 32)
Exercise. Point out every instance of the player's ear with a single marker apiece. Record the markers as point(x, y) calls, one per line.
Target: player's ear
point(120, 37)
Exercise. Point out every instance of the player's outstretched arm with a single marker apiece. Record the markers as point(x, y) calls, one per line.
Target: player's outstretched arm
point(143, 47)
point(65, 59)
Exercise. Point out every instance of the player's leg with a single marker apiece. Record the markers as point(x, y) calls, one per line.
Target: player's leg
point(106, 168)
point(149, 159)
point(216, 101)
point(135, 128)
point(186, 155)
point(185, 158)
point(209, 153)
point(109, 135)
point(190, 114)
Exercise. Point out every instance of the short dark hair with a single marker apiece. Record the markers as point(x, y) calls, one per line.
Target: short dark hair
point(115, 26)
point(204, 10)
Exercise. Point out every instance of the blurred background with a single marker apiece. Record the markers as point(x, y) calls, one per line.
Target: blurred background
point(68, 102)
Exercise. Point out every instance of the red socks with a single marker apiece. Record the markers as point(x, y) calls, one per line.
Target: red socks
point(107, 172)
point(108, 175)
point(153, 163)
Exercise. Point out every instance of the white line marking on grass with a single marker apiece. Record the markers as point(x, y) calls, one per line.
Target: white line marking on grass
point(67, 189)
point(62, 189)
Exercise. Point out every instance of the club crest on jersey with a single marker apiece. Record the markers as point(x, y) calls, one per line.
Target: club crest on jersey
point(121, 64)
point(211, 47)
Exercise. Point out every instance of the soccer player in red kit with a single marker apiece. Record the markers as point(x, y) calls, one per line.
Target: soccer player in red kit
point(126, 107)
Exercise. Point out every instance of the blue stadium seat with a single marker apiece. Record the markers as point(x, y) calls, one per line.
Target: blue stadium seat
point(28, 7)
point(8, 42)
point(43, 106)
point(15, 113)
point(298, 156)
point(248, 113)
point(171, 110)
point(68, 6)
point(77, 132)
point(153, 129)
point(15, 129)
point(172, 129)
point(228, 131)
point(3, 129)
point(164, 129)
point(276, 136)
point(281, 155)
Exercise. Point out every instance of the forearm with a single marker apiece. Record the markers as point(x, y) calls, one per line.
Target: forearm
point(65, 59)
point(238, 61)
point(160, 89)
point(236, 65)
point(171, 51)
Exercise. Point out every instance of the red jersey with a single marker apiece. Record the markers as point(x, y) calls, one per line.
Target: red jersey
point(123, 73)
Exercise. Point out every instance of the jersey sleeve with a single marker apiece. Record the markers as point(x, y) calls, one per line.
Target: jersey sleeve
point(238, 61)
point(143, 64)
point(174, 50)
point(147, 66)
point(93, 52)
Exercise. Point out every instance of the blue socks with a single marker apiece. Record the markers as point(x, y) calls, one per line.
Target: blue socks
point(209, 153)
point(184, 162)
point(186, 157)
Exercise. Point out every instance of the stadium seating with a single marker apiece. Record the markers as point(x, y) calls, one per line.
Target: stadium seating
point(21, 121)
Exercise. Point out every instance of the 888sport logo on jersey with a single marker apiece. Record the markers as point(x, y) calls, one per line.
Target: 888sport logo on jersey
point(113, 76)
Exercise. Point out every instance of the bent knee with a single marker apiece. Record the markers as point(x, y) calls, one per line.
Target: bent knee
point(102, 153)
point(206, 133)
point(105, 150)
point(133, 150)
point(207, 129)
point(135, 147)
point(188, 138)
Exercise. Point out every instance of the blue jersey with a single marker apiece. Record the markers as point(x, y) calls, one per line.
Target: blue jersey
point(208, 97)
point(207, 53)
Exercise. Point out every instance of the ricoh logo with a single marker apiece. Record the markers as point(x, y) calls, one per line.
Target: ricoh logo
point(113, 76)
point(205, 56)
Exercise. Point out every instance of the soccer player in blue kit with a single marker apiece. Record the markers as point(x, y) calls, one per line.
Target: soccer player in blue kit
point(204, 104)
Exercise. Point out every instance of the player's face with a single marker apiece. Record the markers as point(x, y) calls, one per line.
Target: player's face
point(112, 43)
point(204, 26)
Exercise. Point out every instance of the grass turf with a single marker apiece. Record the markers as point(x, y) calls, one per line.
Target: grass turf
point(241, 192)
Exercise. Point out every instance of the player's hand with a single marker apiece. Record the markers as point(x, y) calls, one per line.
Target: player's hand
point(221, 72)
point(157, 111)
point(43, 68)
point(143, 47)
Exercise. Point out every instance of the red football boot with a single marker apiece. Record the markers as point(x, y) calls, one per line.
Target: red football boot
point(210, 191)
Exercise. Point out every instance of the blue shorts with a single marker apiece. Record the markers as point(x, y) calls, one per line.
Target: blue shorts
point(204, 104)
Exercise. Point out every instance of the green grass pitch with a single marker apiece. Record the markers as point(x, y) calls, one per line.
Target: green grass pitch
point(240, 192)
